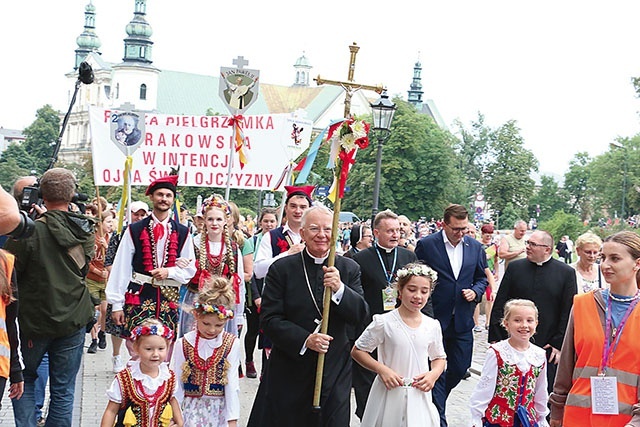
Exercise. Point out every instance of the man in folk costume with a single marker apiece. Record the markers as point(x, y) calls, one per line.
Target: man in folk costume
point(278, 243)
point(284, 240)
point(155, 257)
point(292, 305)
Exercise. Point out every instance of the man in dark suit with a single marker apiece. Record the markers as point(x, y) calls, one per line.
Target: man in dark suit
point(460, 262)
point(378, 266)
point(550, 284)
point(291, 309)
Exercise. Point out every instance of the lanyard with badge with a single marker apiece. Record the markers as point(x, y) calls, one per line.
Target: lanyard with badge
point(389, 294)
point(604, 390)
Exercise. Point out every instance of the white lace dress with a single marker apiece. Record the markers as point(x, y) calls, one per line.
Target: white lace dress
point(407, 351)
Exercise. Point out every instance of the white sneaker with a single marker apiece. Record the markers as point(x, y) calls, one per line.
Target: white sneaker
point(118, 364)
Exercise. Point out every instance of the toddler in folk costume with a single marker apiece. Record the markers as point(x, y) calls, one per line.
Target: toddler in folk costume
point(513, 388)
point(142, 394)
point(206, 360)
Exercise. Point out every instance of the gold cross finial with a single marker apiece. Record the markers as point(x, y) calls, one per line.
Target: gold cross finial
point(350, 86)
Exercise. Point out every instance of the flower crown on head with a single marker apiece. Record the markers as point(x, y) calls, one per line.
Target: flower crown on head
point(216, 201)
point(159, 330)
point(220, 310)
point(418, 270)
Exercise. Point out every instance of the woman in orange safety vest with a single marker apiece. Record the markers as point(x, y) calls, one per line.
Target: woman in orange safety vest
point(599, 370)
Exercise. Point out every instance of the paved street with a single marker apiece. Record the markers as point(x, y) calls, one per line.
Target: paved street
point(96, 375)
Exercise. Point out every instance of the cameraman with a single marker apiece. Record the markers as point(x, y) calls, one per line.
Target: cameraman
point(54, 302)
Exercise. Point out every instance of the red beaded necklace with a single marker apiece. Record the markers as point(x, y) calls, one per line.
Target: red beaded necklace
point(196, 359)
point(215, 261)
point(153, 398)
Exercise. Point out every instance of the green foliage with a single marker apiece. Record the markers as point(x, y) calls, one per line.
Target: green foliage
point(508, 217)
point(614, 173)
point(549, 197)
point(42, 136)
point(577, 185)
point(418, 175)
point(561, 224)
point(509, 174)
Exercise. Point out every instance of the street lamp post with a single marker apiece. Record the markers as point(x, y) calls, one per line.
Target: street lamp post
point(617, 145)
point(383, 110)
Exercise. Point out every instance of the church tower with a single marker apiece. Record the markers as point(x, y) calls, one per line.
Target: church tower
point(88, 41)
point(138, 44)
point(415, 90)
point(302, 68)
point(135, 79)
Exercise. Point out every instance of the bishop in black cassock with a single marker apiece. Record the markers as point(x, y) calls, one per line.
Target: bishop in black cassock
point(291, 310)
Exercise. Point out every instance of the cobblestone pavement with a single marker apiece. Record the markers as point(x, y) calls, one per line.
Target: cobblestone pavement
point(95, 376)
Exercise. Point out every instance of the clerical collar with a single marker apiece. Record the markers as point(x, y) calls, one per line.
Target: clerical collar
point(540, 264)
point(315, 259)
point(387, 250)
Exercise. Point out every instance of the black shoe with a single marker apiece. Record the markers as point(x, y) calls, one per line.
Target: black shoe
point(466, 375)
point(102, 340)
point(93, 348)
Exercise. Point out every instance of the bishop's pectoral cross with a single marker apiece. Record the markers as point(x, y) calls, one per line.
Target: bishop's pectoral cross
point(350, 87)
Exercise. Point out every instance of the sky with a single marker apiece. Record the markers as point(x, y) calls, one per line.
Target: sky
point(561, 70)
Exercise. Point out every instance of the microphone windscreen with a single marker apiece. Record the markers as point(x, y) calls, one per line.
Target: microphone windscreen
point(85, 73)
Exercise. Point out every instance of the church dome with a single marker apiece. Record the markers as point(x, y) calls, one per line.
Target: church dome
point(302, 62)
point(139, 27)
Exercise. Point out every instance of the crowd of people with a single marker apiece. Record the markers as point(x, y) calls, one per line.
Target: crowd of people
point(403, 300)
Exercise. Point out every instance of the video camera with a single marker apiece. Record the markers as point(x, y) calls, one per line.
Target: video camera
point(31, 195)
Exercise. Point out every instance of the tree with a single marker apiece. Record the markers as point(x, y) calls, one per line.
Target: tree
point(614, 173)
point(509, 172)
point(42, 136)
point(418, 174)
point(473, 153)
point(577, 185)
point(562, 224)
point(549, 198)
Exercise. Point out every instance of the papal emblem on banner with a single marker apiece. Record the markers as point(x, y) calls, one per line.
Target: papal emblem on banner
point(238, 88)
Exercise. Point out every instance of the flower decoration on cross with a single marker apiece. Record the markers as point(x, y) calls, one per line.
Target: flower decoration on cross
point(346, 137)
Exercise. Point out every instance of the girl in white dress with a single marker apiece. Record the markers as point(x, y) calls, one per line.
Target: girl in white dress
point(206, 360)
point(406, 340)
point(513, 385)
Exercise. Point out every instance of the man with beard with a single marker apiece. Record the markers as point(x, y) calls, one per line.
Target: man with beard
point(378, 266)
point(292, 304)
point(155, 257)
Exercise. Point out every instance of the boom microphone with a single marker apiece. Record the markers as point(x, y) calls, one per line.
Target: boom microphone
point(85, 73)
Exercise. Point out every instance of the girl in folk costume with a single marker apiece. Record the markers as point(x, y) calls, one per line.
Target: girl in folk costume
point(206, 360)
point(142, 394)
point(407, 341)
point(513, 388)
point(97, 279)
point(10, 356)
point(217, 255)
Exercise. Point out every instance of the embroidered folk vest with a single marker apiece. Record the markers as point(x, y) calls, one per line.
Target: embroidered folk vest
point(140, 406)
point(503, 405)
point(211, 382)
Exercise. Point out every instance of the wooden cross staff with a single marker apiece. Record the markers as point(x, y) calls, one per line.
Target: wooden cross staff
point(350, 87)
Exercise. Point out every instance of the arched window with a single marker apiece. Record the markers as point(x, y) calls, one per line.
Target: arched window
point(143, 91)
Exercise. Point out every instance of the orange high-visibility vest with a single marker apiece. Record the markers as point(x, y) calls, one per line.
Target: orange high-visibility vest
point(5, 349)
point(624, 365)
